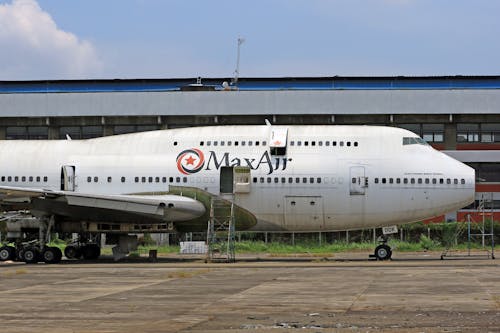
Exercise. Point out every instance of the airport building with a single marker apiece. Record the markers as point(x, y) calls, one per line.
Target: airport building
point(457, 114)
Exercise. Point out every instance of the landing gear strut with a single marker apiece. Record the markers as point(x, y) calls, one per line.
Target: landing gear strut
point(383, 251)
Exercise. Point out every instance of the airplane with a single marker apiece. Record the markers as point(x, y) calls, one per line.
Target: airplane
point(297, 178)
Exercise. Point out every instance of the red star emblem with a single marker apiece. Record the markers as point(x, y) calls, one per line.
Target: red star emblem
point(190, 160)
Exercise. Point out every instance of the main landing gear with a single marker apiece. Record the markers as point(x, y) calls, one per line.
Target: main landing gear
point(383, 251)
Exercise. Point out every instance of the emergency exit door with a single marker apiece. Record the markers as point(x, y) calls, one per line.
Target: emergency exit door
point(358, 181)
point(68, 178)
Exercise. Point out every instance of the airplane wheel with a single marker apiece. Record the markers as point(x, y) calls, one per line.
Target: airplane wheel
point(30, 255)
point(383, 252)
point(7, 253)
point(49, 255)
point(72, 252)
point(58, 254)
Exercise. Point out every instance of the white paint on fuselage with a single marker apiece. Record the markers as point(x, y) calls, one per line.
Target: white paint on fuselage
point(324, 205)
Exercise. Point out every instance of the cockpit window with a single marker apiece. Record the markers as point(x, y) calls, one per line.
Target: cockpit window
point(414, 141)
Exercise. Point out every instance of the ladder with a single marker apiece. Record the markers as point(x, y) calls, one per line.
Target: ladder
point(221, 231)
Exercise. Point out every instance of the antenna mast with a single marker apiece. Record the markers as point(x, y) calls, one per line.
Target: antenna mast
point(237, 71)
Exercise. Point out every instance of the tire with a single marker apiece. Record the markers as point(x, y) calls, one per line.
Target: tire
point(30, 255)
point(49, 255)
point(58, 254)
point(7, 253)
point(383, 252)
point(72, 252)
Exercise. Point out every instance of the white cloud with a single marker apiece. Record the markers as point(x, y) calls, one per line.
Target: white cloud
point(33, 47)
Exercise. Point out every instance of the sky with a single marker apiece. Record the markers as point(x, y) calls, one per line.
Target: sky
point(121, 39)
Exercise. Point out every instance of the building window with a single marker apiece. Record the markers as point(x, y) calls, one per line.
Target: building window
point(433, 132)
point(490, 132)
point(467, 132)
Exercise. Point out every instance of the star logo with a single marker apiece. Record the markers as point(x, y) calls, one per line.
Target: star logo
point(190, 161)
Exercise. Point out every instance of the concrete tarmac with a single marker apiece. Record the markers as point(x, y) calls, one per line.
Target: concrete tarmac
point(413, 293)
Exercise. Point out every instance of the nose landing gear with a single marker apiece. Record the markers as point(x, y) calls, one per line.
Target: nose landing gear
point(383, 251)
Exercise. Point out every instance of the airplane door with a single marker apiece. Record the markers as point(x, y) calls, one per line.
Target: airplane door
point(358, 181)
point(304, 213)
point(68, 178)
point(226, 180)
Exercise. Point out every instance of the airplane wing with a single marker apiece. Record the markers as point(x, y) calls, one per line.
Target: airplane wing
point(166, 207)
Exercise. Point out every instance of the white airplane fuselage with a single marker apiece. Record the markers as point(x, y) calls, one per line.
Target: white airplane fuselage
point(302, 178)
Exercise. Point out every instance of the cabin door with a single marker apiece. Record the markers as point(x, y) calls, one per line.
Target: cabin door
point(358, 181)
point(226, 180)
point(68, 178)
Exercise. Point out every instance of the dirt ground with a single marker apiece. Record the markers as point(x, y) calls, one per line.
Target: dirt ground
point(412, 293)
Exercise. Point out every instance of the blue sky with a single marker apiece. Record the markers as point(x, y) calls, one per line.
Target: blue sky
point(60, 39)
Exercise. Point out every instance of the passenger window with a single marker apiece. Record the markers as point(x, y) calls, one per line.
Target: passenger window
point(462, 181)
point(297, 180)
point(327, 143)
point(184, 179)
point(215, 143)
point(250, 143)
point(143, 179)
point(254, 179)
point(413, 180)
point(448, 181)
point(283, 180)
point(89, 179)
point(209, 143)
point(261, 179)
point(136, 179)
point(243, 142)
point(45, 179)
point(318, 180)
point(398, 180)
point(427, 180)
point(334, 143)
point(163, 179)
point(320, 143)
point(177, 179)
point(341, 144)
point(353, 180)
point(263, 143)
point(9, 178)
point(150, 179)
point(96, 179)
point(383, 180)
point(290, 180)
point(23, 178)
point(201, 143)
point(235, 143)
point(311, 180)
point(313, 143)
point(299, 143)
point(109, 179)
point(157, 179)
point(405, 180)
point(38, 178)
point(16, 178)
point(276, 180)
point(3, 178)
point(304, 180)
point(420, 180)
point(455, 181)
point(348, 143)
point(306, 143)
point(434, 181)
point(268, 180)
point(376, 180)
point(355, 143)
point(170, 179)
point(229, 143)
point(222, 143)
point(257, 143)
point(292, 143)
point(391, 181)
point(441, 181)
point(31, 179)
point(123, 179)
